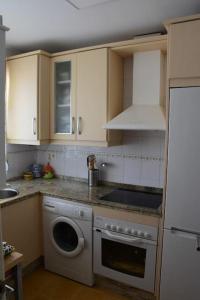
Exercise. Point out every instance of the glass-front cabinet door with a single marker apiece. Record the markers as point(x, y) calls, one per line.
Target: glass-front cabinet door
point(63, 98)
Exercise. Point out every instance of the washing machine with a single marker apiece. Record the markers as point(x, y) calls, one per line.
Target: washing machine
point(67, 232)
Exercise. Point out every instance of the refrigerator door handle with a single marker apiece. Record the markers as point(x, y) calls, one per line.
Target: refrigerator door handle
point(198, 243)
point(174, 229)
point(196, 234)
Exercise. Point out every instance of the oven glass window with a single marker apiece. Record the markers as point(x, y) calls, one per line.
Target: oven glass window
point(123, 258)
point(65, 236)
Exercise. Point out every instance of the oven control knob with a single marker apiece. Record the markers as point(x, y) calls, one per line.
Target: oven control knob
point(107, 226)
point(113, 227)
point(119, 229)
point(81, 213)
point(134, 232)
point(127, 230)
point(140, 233)
point(147, 235)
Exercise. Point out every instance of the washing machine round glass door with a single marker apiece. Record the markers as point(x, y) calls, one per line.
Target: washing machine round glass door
point(66, 236)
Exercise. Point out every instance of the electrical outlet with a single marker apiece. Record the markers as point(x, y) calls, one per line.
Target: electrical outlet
point(51, 156)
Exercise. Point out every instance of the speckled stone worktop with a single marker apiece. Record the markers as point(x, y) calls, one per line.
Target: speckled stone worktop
point(73, 190)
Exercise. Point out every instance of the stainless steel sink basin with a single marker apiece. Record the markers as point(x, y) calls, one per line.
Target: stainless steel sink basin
point(8, 193)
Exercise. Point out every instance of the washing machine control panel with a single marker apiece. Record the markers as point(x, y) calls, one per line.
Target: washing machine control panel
point(67, 208)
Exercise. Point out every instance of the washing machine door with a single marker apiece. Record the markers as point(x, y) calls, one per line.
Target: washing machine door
point(66, 236)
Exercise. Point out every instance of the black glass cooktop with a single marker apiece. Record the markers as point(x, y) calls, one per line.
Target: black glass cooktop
point(135, 198)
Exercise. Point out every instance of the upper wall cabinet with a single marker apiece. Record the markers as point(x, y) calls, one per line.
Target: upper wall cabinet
point(92, 86)
point(81, 91)
point(184, 49)
point(80, 101)
point(27, 96)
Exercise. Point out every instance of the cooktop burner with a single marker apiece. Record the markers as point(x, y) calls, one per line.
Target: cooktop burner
point(135, 198)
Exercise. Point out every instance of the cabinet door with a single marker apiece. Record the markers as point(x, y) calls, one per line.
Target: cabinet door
point(182, 194)
point(22, 95)
point(22, 227)
point(91, 95)
point(2, 144)
point(2, 275)
point(63, 98)
point(184, 50)
point(180, 267)
point(2, 110)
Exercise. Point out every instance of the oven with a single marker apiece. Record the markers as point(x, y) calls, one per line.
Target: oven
point(125, 252)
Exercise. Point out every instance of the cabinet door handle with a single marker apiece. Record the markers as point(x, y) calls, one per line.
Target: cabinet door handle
point(2, 287)
point(9, 289)
point(34, 126)
point(79, 125)
point(5, 288)
point(73, 125)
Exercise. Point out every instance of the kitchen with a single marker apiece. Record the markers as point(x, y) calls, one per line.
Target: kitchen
point(129, 244)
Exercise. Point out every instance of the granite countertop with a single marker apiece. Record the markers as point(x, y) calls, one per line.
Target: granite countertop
point(73, 190)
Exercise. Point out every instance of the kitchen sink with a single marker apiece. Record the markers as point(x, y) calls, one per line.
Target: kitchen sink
point(8, 193)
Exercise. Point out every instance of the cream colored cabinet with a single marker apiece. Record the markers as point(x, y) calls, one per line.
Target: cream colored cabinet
point(184, 49)
point(63, 97)
point(22, 227)
point(28, 98)
point(92, 98)
point(92, 83)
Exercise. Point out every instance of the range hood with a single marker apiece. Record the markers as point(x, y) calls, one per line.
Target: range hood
point(146, 111)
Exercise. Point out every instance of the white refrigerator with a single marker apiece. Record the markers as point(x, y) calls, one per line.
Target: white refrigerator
point(180, 273)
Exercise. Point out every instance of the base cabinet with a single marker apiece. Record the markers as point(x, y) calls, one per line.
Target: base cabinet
point(22, 227)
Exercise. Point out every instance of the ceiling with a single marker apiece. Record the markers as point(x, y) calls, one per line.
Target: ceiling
point(56, 25)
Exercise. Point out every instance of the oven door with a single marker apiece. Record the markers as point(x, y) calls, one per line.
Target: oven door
point(125, 259)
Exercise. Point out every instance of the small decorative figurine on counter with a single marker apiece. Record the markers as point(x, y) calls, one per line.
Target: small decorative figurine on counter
point(28, 175)
point(7, 249)
point(48, 171)
point(37, 170)
point(33, 171)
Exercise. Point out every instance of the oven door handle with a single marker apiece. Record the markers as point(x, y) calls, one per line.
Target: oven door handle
point(121, 238)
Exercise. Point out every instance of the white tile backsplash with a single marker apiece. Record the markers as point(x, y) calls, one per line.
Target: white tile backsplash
point(58, 163)
point(137, 161)
point(19, 157)
point(132, 171)
point(150, 173)
point(70, 165)
point(151, 144)
point(114, 170)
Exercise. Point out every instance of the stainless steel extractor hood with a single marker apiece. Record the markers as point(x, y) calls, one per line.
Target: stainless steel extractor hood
point(146, 111)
